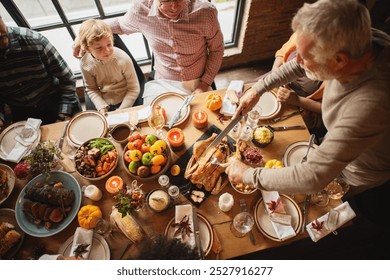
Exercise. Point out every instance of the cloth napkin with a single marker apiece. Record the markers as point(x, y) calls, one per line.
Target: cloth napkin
point(282, 231)
point(82, 236)
point(144, 113)
point(228, 108)
point(331, 221)
point(180, 212)
point(114, 119)
point(22, 147)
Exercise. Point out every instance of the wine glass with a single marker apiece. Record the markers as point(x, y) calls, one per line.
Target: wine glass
point(156, 121)
point(337, 188)
point(242, 224)
point(320, 198)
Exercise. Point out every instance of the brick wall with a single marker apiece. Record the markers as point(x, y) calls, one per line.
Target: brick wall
point(265, 27)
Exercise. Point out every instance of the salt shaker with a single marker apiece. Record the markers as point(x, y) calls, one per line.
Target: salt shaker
point(246, 133)
point(163, 180)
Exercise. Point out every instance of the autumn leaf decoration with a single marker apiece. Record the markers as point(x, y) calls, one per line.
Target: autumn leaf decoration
point(183, 228)
point(275, 206)
point(81, 249)
point(317, 225)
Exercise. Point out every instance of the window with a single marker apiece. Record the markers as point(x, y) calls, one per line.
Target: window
point(59, 21)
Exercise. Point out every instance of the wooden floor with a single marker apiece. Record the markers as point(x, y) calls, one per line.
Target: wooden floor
point(246, 73)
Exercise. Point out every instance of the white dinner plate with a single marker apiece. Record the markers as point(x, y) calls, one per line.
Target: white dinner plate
point(264, 223)
point(269, 105)
point(7, 139)
point(8, 216)
point(171, 102)
point(295, 152)
point(99, 250)
point(85, 126)
point(10, 180)
point(206, 232)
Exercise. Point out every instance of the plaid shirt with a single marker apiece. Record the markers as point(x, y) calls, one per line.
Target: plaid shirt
point(31, 69)
point(185, 49)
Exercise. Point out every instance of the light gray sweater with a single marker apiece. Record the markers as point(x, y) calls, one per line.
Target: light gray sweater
point(357, 146)
point(112, 82)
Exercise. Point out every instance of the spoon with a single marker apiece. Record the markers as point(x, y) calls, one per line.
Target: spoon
point(312, 137)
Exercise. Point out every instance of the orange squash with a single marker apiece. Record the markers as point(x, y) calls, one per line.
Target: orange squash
point(213, 101)
point(88, 216)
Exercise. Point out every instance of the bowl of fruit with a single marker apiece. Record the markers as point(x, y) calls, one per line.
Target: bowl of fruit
point(146, 157)
point(96, 158)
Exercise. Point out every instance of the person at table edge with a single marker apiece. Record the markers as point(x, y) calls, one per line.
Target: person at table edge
point(35, 81)
point(335, 43)
point(186, 40)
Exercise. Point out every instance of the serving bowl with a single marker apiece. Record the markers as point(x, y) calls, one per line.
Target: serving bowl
point(96, 159)
point(263, 136)
point(158, 200)
point(143, 164)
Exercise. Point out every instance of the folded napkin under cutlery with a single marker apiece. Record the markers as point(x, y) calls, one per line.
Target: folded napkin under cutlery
point(23, 146)
point(183, 217)
point(82, 242)
point(230, 101)
point(281, 222)
point(331, 221)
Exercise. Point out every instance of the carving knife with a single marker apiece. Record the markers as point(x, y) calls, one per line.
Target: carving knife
point(186, 101)
point(198, 241)
point(61, 142)
point(223, 133)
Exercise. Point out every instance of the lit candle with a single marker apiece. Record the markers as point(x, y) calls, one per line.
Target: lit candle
point(199, 119)
point(114, 184)
point(226, 202)
point(92, 192)
point(176, 138)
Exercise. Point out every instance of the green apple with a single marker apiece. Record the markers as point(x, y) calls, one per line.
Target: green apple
point(147, 158)
point(151, 138)
point(133, 166)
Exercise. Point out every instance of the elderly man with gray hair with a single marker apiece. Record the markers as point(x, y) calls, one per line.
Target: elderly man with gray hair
point(335, 43)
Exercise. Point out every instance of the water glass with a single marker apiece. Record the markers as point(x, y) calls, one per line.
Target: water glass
point(103, 227)
point(253, 118)
point(320, 198)
point(337, 188)
point(242, 224)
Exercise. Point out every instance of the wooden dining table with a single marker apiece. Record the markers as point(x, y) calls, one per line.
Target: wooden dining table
point(155, 223)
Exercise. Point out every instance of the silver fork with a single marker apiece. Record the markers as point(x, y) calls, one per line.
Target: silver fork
point(312, 137)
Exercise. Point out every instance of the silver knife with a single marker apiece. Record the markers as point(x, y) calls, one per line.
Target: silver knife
point(186, 101)
point(61, 142)
point(222, 134)
point(198, 241)
point(243, 209)
point(281, 128)
point(304, 210)
point(285, 116)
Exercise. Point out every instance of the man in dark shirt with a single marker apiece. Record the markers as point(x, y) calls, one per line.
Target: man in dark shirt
point(35, 81)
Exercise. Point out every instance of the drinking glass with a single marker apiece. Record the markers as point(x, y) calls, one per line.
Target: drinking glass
point(103, 227)
point(320, 198)
point(253, 117)
point(242, 224)
point(156, 121)
point(337, 188)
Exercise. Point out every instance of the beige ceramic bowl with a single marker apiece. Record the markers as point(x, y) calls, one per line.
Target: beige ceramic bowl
point(87, 171)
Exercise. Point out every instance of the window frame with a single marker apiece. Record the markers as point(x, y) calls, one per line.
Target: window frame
point(21, 21)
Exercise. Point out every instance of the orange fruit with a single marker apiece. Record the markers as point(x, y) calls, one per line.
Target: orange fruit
point(175, 170)
point(154, 169)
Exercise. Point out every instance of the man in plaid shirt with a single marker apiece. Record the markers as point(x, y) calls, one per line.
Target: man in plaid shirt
point(35, 81)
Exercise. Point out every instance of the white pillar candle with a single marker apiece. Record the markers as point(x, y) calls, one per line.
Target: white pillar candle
point(92, 192)
point(226, 202)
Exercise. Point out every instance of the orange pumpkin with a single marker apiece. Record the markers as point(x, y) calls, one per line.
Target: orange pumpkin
point(88, 216)
point(213, 101)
